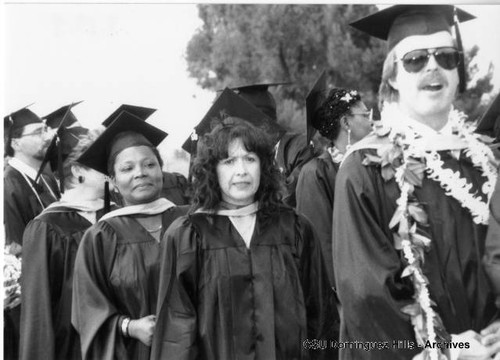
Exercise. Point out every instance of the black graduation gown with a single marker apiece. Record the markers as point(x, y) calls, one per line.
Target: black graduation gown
point(315, 195)
point(20, 207)
point(292, 153)
point(220, 300)
point(50, 244)
point(367, 267)
point(116, 274)
point(21, 204)
point(492, 249)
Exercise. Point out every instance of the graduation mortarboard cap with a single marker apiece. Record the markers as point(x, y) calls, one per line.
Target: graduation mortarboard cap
point(54, 119)
point(66, 137)
point(16, 121)
point(314, 100)
point(489, 124)
point(260, 97)
point(230, 104)
point(20, 118)
point(97, 155)
point(400, 21)
point(140, 112)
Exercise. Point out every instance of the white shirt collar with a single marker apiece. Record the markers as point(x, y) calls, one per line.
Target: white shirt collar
point(23, 168)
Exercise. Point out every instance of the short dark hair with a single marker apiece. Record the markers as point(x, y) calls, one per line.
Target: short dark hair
point(8, 136)
point(213, 147)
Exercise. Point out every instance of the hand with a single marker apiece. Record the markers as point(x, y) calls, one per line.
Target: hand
point(491, 339)
point(12, 295)
point(476, 350)
point(142, 329)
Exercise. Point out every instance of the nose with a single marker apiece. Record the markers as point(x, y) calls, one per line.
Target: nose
point(139, 171)
point(432, 63)
point(241, 168)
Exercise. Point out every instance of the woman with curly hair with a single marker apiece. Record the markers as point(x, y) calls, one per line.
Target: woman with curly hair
point(343, 119)
point(242, 275)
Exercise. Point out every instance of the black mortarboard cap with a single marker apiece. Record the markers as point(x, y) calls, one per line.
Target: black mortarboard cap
point(230, 104)
point(489, 124)
point(314, 100)
point(64, 141)
point(21, 118)
point(96, 156)
point(260, 97)
point(399, 21)
point(17, 120)
point(55, 118)
point(139, 111)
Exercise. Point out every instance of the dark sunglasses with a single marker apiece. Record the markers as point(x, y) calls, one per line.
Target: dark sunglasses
point(447, 57)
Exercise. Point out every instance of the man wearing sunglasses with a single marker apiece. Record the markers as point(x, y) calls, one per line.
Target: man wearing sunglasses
point(411, 203)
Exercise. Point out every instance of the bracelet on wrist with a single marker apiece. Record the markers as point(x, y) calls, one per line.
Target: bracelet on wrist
point(124, 327)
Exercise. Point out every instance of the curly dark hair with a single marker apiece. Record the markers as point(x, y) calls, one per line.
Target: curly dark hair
point(213, 147)
point(337, 104)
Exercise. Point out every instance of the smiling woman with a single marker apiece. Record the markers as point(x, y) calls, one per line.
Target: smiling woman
point(118, 259)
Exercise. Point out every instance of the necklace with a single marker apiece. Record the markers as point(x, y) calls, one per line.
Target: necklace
point(153, 230)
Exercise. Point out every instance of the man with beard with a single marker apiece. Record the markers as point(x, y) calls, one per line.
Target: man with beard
point(26, 140)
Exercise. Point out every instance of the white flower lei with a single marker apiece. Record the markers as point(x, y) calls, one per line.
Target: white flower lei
point(454, 186)
point(482, 157)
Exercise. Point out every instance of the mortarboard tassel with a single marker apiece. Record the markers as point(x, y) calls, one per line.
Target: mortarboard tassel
point(60, 164)
point(461, 65)
point(107, 201)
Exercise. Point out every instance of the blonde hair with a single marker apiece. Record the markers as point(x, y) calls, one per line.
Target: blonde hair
point(84, 142)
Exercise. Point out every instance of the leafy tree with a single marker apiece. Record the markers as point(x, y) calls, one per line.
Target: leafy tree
point(244, 44)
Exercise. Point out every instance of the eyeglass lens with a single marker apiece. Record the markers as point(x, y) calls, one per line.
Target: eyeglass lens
point(414, 61)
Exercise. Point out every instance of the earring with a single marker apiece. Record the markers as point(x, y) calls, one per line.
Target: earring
point(81, 179)
point(348, 139)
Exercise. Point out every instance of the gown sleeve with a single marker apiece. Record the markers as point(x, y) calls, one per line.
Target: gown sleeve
point(42, 252)
point(94, 314)
point(367, 267)
point(176, 324)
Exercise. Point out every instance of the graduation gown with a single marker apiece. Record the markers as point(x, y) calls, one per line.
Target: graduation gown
point(220, 300)
point(175, 188)
point(116, 274)
point(292, 153)
point(368, 268)
point(21, 204)
point(50, 244)
point(315, 195)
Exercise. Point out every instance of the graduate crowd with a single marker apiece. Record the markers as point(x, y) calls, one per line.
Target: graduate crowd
point(384, 244)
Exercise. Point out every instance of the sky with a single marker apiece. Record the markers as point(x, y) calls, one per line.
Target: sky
point(124, 53)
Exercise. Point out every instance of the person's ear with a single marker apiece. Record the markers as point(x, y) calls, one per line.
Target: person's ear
point(393, 83)
point(344, 123)
point(76, 171)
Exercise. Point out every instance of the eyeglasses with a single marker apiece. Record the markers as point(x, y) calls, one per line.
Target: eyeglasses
point(37, 132)
point(447, 57)
point(367, 114)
